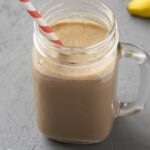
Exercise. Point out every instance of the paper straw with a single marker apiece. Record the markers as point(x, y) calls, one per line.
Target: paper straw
point(47, 30)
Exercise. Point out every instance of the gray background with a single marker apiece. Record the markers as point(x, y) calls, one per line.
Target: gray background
point(18, 130)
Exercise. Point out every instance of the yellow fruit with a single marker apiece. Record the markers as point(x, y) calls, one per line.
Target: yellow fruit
point(140, 8)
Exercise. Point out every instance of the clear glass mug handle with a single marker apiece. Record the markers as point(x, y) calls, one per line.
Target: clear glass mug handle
point(136, 53)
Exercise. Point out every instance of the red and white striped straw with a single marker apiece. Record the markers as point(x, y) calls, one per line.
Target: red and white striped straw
point(47, 30)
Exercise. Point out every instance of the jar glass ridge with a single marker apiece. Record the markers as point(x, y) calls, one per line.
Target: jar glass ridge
point(83, 10)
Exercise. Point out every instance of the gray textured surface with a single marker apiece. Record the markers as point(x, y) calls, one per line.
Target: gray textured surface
point(18, 129)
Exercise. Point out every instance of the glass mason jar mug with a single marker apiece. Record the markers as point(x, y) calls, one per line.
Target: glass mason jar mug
point(75, 87)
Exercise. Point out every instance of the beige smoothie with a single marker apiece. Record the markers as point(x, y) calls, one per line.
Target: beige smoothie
point(75, 105)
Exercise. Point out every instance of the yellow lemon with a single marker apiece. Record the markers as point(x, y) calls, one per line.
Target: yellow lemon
point(140, 8)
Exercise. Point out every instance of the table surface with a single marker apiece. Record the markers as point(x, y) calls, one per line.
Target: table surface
point(18, 130)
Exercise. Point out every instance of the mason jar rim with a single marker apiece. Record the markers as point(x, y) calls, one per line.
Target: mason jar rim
point(68, 50)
